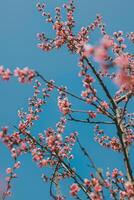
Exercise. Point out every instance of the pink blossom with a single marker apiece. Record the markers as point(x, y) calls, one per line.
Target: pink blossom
point(87, 182)
point(1, 70)
point(23, 146)
point(107, 41)
point(88, 50)
point(129, 189)
point(98, 188)
point(1, 134)
point(17, 165)
point(84, 93)
point(124, 81)
point(5, 73)
point(43, 163)
point(92, 114)
point(115, 173)
point(8, 170)
point(22, 127)
point(64, 106)
point(29, 117)
point(74, 189)
point(95, 196)
point(88, 80)
point(122, 61)
point(24, 75)
point(100, 54)
point(95, 181)
point(105, 105)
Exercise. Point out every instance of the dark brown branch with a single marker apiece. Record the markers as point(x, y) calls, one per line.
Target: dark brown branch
point(87, 121)
point(120, 132)
point(128, 95)
point(53, 181)
point(77, 178)
point(102, 84)
point(69, 93)
point(90, 159)
point(59, 88)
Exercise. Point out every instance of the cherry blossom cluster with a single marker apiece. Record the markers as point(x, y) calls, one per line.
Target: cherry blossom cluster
point(114, 182)
point(79, 43)
point(35, 104)
point(90, 93)
point(125, 75)
point(95, 188)
point(64, 105)
point(74, 189)
point(5, 74)
point(124, 61)
point(19, 141)
point(131, 36)
point(105, 140)
point(120, 187)
point(24, 75)
point(48, 147)
point(61, 125)
point(63, 29)
point(113, 142)
point(53, 148)
point(9, 141)
point(100, 52)
point(10, 175)
point(55, 143)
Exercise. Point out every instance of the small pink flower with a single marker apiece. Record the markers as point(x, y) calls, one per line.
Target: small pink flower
point(100, 54)
point(8, 170)
point(98, 188)
point(105, 105)
point(92, 114)
point(88, 50)
point(24, 75)
point(74, 189)
point(129, 189)
point(5, 73)
point(115, 173)
point(95, 181)
point(84, 93)
point(64, 106)
point(23, 146)
point(1, 134)
point(29, 117)
point(124, 81)
point(87, 182)
point(1, 70)
point(122, 61)
point(17, 165)
point(7, 179)
point(107, 41)
point(43, 163)
point(22, 127)
point(95, 196)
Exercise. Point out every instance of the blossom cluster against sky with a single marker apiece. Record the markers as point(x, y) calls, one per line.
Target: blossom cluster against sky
point(19, 24)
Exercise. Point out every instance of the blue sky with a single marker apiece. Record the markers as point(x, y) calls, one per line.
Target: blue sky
point(19, 24)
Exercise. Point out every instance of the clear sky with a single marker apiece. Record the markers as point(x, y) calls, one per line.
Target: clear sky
point(19, 24)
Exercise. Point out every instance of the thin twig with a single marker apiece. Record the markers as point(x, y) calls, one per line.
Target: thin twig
point(87, 121)
point(67, 167)
point(102, 84)
point(90, 159)
point(59, 88)
point(128, 95)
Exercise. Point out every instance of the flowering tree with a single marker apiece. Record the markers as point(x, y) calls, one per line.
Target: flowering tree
point(106, 66)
